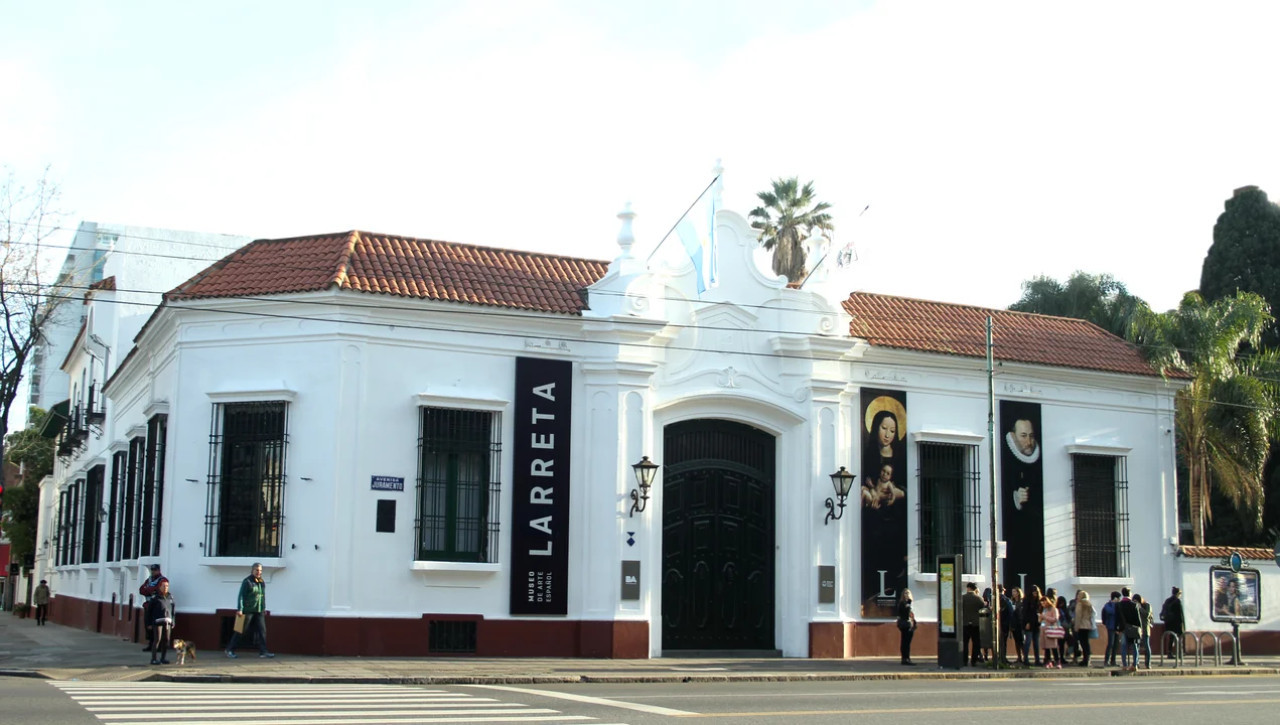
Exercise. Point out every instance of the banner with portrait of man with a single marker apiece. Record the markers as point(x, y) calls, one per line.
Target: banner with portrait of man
point(1022, 493)
point(883, 500)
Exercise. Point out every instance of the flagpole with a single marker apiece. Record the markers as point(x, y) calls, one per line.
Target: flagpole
point(682, 216)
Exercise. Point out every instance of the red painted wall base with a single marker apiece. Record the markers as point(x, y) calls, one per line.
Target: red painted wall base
point(367, 637)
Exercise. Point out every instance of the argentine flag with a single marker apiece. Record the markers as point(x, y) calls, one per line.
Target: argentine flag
point(697, 230)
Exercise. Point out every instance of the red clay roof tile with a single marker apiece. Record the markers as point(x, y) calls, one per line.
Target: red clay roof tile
point(1249, 553)
point(949, 329)
point(402, 266)
point(447, 271)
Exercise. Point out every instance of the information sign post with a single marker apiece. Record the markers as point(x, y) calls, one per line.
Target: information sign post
point(950, 574)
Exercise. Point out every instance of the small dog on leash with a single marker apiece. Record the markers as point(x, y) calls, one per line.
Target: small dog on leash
point(184, 648)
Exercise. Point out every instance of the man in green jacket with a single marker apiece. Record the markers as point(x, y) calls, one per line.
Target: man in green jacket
point(252, 605)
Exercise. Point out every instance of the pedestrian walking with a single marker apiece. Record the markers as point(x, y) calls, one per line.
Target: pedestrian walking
point(906, 626)
point(1031, 625)
point(1067, 641)
point(1086, 628)
point(1051, 633)
point(1113, 634)
point(1171, 615)
point(41, 598)
point(251, 604)
point(970, 606)
point(160, 612)
point(1011, 623)
point(1144, 631)
point(1128, 622)
point(150, 586)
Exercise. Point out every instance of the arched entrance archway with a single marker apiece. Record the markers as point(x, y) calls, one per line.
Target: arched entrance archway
point(717, 537)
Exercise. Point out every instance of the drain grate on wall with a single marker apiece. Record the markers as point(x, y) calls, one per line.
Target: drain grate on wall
point(451, 636)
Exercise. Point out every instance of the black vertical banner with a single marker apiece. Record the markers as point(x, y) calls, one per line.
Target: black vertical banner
point(884, 500)
point(540, 487)
point(1022, 494)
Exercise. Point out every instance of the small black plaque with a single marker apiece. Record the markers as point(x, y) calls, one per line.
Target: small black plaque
point(386, 523)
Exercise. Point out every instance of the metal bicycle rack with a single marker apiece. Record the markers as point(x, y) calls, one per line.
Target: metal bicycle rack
point(1179, 648)
point(1215, 638)
point(1235, 648)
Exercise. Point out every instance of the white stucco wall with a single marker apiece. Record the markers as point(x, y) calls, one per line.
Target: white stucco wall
point(648, 354)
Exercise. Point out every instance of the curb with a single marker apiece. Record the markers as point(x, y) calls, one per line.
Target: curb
point(136, 674)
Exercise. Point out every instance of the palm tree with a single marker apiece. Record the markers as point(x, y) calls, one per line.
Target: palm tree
point(1227, 414)
point(788, 217)
point(1098, 298)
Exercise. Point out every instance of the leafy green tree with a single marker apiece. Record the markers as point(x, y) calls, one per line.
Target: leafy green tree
point(1097, 298)
point(1226, 416)
point(1245, 254)
point(33, 454)
point(787, 217)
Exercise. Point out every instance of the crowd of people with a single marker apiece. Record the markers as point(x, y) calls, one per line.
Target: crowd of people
point(1045, 623)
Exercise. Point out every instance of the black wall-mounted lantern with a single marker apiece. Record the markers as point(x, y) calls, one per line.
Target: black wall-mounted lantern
point(645, 471)
point(841, 481)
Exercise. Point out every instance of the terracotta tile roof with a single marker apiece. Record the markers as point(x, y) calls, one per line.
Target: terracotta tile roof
point(1250, 553)
point(401, 266)
point(938, 327)
point(108, 283)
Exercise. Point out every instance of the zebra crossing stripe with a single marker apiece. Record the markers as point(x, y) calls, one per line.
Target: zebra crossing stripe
point(130, 703)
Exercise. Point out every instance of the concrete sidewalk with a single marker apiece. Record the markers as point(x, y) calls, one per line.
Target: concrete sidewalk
point(64, 653)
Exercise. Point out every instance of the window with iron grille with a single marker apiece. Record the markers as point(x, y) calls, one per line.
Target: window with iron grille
point(459, 457)
point(153, 485)
point(1100, 493)
point(64, 527)
point(115, 519)
point(950, 508)
point(132, 499)
point(75, 521)
point(244, 513)
point(92, 540)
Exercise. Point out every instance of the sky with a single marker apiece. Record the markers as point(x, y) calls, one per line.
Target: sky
point(988, 142)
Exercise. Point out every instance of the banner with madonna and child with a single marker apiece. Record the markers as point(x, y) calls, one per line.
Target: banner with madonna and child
point(884, 500)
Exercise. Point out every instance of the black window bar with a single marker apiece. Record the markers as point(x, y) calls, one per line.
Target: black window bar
point(119, 482)
point(93, 515)
point(950, 506)
point(113, 507)
point(157, 434)
point(244, 513)
point(459, 462)
point(1100, 493)
point(64, 525)
point(77, 522)
point(132, 499)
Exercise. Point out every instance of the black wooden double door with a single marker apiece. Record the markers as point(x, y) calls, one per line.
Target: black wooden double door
point(717, 537)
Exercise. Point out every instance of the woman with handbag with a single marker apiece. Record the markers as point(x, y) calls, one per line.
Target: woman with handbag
point(906, 625)
point(1051, 633)
point(1086, 628)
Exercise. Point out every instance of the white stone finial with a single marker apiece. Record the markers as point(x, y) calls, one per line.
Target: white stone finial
point(626, 237)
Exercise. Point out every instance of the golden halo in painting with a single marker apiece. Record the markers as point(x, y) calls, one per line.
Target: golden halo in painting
point(884, 402)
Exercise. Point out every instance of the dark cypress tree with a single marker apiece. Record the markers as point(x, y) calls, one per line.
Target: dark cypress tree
point(1245, 254)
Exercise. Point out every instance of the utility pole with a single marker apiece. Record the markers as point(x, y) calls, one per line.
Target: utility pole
point(997, 643)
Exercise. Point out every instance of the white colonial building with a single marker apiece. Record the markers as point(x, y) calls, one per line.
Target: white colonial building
point(431, 447)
